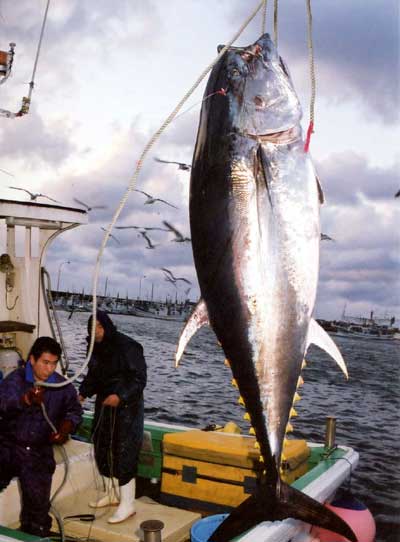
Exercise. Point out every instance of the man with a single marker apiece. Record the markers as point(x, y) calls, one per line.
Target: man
point(26, 437)
point(117, 376)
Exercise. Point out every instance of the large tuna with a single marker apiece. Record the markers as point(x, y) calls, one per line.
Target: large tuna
point(254, 216)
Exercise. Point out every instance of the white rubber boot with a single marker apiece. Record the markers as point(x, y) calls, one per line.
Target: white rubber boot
point(126, 507)
point(111, 496)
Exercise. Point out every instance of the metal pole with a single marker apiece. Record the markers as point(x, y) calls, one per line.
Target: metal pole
point(330, 432)
point(59, 274)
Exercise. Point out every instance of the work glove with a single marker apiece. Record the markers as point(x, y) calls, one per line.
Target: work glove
point(34, 396)
point(61, 437)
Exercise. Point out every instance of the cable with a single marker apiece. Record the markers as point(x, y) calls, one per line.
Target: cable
point(276, 23)
point(49, 297)
point(130, 188)
point(27, 100)
point(264, 17)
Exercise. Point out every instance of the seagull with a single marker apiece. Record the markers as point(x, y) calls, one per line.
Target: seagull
point(7, 173)
point(88, 207)
point(171, 275)
point(396, 195)
point(179, 238)
point(149, 243)
point(151, 199)
point(325, 237)
point(181, 165)
point(111, 235)
point(32, 195)
point(142, 228)
point(168, 279)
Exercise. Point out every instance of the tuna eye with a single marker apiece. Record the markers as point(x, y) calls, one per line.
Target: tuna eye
point(259, 101)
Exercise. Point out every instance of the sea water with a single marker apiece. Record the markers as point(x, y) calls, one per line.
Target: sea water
point(199, 393)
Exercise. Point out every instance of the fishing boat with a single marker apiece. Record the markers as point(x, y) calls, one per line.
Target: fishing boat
point(357, 330)
point(186, 475)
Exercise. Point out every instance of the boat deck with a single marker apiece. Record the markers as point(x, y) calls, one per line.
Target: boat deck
point(177, 523)
point(82, 485)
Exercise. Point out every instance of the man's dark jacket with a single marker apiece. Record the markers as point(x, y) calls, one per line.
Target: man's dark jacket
point(26, 425)
point(117, 366)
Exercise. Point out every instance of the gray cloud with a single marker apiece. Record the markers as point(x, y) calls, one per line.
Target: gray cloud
point(356, 50)
point(34, 142)
point(346, 175)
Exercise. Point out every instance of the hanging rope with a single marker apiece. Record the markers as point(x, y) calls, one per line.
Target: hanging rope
point(310, 129)
point(131, 187)
point(276, 23)
point(26, 100)
point(264, 17)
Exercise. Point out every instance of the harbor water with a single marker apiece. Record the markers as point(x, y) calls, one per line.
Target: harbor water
point(199, 393)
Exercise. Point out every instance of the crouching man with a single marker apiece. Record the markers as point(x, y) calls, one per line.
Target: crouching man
point(26, 437)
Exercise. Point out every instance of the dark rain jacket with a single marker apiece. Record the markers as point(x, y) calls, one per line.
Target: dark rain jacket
point(26, 425)
point(117, 366)
point(25, 450)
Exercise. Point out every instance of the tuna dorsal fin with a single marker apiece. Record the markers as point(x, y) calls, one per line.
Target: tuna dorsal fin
point(198, 318)
point(318, 336)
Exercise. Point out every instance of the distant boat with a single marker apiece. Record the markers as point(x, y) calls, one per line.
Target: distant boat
point(358, 331)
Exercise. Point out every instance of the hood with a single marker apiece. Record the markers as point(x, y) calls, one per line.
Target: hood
point(106, 322)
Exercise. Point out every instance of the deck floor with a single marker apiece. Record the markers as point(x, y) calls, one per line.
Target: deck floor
point(177, 523)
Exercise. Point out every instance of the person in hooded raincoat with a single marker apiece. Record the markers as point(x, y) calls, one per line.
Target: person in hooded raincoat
point(26, 437)
point(117, 376)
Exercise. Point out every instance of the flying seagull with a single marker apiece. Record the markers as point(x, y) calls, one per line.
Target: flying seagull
point(111, 235)
point(168, 279)
point(151, 199)
point(34, 196)
point(179, 238)
point(171, 275)
point(397, 194)
point(149, 242)
point(142, 228)
point(88, 207)
point(181, 165)
point(325, 237)
point(7, 173)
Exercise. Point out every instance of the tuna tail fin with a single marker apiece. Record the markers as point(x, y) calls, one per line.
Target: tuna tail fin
point(197, 319)
point(266, 505)
point(318, 336)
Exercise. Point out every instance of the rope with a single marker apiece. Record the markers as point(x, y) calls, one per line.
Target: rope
point(276, 23)
point(132, 184)
point(264, 17)
point(310, 129)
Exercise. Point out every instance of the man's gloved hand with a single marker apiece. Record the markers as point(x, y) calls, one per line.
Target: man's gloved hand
point(61, 437)
point(34, 396)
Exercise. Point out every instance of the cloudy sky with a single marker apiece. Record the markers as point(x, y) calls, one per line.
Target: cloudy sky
point(110, 73)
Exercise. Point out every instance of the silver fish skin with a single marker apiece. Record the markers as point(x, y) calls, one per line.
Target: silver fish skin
point(254, 217)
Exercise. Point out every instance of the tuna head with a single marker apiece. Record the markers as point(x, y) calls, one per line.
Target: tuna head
point(261, 96)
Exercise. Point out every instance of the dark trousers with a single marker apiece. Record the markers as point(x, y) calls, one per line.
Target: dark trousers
point(34, 467)
point(117, 437)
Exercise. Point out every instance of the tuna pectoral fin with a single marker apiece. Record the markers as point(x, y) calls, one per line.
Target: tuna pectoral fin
point(198, 318)
point(265, 505)
point(319, 337)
